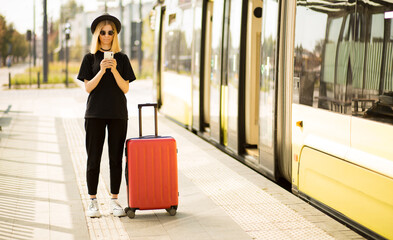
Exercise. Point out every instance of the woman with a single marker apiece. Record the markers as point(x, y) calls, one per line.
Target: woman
point(107, 82)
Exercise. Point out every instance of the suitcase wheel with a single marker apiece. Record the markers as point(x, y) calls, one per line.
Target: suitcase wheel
point(130, 212)
point(172, 210)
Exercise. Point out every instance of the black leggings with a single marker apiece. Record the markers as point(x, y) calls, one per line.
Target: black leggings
point(95, 137)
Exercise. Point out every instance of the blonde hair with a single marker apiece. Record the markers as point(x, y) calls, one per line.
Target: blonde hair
point(95, 41)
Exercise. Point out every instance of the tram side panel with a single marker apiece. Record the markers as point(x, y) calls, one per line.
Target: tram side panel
point(176, 80)
point(342, 117)
point(251, 137)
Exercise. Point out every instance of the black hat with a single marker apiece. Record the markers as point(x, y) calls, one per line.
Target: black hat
point(104, 17)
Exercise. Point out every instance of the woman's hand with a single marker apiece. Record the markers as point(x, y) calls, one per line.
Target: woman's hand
point(113, 64)
point(105, 63)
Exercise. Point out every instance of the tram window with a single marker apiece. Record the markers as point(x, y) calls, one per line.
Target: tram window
point(374, 55)
point(389, 59)
point(269, 42)
point(332, 88)
point(186, 34)
point(171, 19)
point(171, 43)
point(309, 41)
point(378, 74)
point(234, 43)
point(348, 68)
point(216, 42)
point(178, 41)
point(391, 30)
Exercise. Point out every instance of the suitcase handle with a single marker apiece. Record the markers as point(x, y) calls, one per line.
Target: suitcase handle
point(155, 105)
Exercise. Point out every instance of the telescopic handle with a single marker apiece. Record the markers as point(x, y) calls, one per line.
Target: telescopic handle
point(140, 106)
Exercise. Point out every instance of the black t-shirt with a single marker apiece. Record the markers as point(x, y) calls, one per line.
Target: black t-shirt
point(107, 100)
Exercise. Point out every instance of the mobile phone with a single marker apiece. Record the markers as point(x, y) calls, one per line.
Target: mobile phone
point(108, 55)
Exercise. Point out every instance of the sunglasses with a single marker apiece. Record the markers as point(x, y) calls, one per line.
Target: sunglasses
point(110, 33)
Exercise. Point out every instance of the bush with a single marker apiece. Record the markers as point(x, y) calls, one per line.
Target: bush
point(56, 75)
point(24, 78)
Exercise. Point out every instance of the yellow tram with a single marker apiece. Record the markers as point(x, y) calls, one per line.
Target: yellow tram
point(301, 91)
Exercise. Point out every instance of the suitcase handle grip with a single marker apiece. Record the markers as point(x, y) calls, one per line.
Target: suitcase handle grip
point(155, 105)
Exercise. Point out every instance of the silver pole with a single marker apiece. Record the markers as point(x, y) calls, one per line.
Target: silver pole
point(45, 47)
point(140, 38)
point(34, 47)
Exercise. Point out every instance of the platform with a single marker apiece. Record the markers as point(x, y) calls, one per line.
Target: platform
point(43, 193)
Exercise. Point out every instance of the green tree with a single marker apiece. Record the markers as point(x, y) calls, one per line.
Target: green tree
point(3, 30)
point(20, 46)
point(53, 39)
point(147, 38)
point(6, 48)
point(69, 10)
point(76, 50)
point(5, 35)
point(12, 42)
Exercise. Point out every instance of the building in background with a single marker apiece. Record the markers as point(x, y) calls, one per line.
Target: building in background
point(130, 39)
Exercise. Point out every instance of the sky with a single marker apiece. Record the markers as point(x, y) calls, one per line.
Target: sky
point(21, 13)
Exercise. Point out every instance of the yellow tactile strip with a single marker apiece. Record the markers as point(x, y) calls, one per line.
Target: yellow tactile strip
point(108, 226)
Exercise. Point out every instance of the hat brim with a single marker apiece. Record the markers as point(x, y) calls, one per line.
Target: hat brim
point(105, 17)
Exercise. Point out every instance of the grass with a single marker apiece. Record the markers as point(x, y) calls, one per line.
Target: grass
point(56, 76)
point(24, 79)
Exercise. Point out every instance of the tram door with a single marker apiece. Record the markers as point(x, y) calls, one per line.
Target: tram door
point(268, 88)
point(206, 36)
point(224, 84)
point(197, 86)
point(159, 13)
point(252, 82)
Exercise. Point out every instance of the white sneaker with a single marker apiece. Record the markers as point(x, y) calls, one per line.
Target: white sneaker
point(92, 209)
point(117, 210)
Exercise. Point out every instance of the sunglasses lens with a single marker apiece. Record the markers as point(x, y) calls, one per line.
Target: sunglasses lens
point(110, 33)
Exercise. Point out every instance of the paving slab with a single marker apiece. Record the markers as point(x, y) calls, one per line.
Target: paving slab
point(44, 194)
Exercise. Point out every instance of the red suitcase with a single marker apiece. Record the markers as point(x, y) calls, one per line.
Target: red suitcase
point(151, 171)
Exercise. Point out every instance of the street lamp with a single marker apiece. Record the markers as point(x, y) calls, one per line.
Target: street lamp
point(67, 31)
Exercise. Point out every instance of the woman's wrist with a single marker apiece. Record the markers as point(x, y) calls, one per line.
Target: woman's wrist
point(102, 71)
point(114, 70)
